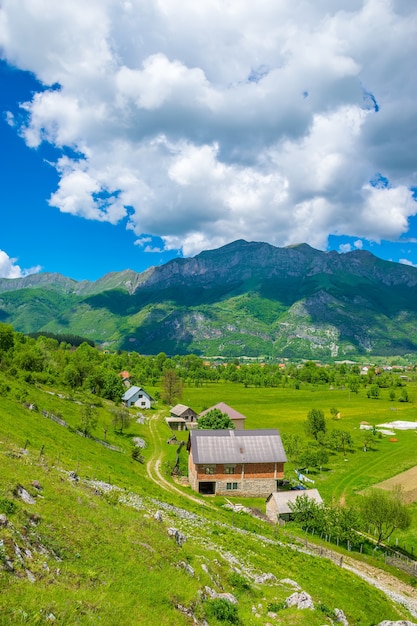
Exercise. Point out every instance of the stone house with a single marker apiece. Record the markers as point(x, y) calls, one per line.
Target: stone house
point(235, 462)
point(136, 396)
point(236, 418)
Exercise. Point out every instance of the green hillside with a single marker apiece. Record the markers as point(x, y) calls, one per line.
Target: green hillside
point(90, 535)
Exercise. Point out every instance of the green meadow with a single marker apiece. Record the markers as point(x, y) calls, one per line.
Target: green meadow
point(344, 475)
point(91, 556)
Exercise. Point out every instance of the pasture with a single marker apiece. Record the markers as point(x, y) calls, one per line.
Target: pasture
point(345, 476)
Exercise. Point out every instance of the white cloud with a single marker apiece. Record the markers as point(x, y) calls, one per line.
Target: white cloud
point(406, 262)
point(10, 269)
point(345, 247)
point(201, 123)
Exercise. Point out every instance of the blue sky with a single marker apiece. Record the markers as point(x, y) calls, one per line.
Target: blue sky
point(133, 132)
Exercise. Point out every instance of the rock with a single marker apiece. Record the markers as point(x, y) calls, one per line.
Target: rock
point(179, 537)
point(301, 600)
point(187, 567)
point(290, 583)
point(50, 617)
point(341, 617)
point(3, 521)
point(21, 492)
point(400, 623)
point(158, 516)
point(37, 485)
point(73, 476)
point(224, 596)
point(265, 578)
point(139, 442)
point(189, 613)
point(30, 576)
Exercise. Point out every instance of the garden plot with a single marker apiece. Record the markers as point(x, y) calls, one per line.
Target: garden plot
point(406, 480)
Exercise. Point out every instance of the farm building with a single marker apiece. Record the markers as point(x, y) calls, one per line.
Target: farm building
point(235, 462)
point(185, 412)
point(237, 418)
point(176, 423)
point(136, 396)
point(278, 503)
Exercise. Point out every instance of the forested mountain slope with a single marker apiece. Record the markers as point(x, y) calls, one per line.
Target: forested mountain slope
point(245, 298)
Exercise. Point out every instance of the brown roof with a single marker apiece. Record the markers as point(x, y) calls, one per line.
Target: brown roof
point(225, 408)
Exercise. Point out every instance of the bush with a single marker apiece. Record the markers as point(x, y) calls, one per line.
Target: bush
point(223, 611)
point(7, 506)
point(274, 607)
point(137, 455)
point(239, 582)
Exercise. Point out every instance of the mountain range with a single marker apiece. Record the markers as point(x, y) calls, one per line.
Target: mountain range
point(245, 298)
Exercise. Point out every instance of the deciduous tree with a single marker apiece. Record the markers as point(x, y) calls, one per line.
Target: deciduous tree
point(315, 423)
point(385, 511)
point(172, 387)
point(215, 420)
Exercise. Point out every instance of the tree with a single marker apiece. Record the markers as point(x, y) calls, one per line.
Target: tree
point(373, 392)
point(121, 419)
point(172, 387)
point(385, 511)
point(215, 420)
point(6, 337)
point(88, 419)
point(315, 423)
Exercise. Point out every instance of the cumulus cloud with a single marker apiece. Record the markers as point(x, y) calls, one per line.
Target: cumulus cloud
point(10, 269)
point(201, 123)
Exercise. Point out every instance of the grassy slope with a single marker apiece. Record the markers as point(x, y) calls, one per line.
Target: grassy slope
point(117, 564)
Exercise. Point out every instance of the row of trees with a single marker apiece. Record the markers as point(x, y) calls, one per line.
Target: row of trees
point(379, 512)
point(49, 360)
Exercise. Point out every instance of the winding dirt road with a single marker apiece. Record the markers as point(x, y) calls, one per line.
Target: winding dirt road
point(153, 467)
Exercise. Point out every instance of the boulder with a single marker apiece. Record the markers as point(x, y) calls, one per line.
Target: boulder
point(341, 617)
point(223, 596)
point(265, 578)
point(301, 600)
point(21, 492)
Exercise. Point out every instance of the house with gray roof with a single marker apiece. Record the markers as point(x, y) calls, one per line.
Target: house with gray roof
point(278, 503)
point(184, 412)
point(235, 462)
point(136, 396)
point(237, 419)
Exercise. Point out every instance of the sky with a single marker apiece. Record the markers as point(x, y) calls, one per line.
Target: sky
point(136, 131)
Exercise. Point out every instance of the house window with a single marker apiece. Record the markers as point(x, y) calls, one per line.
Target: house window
point(229, 469)
point(210, 469)
point(231, 486)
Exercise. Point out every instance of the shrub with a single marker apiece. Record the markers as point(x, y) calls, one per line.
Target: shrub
point(223, 611)
point(239, 582)
point(7, 506)
point(274, 607)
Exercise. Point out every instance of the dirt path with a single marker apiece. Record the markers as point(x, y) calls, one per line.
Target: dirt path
point(394, 588)
point(153, 467)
